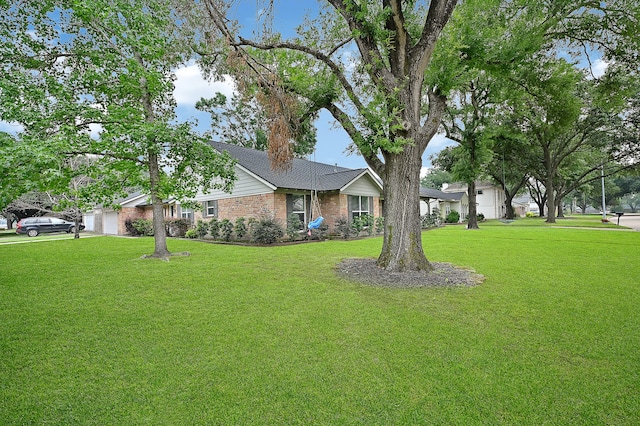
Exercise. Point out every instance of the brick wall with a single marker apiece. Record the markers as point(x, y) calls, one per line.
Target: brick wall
point(133, 213)
point(253, 206)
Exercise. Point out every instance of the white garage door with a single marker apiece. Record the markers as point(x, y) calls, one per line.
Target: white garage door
point(89, 222)
point(110, 223)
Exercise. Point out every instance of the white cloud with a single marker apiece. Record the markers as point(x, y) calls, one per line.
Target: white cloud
point(599, 67)
point(12, 128)
point(190, 86)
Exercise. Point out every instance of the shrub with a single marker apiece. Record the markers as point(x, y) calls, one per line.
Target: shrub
point(202, 229)
point(357, 225)
point(453, 217)
point(320, 233)
point(240, 228)
point(266, 231)
point(177, 227)
point(369, 223)
point(226, 229)
point(191, 233)
point(379, 225)
point(214, 228)
point(432, 220)
point(139, 227)
point(131, 230)
point(530, 214)
point(480, 217)
point(343, 227)
point(294, 225)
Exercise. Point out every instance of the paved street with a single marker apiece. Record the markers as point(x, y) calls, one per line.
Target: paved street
point(631, 220)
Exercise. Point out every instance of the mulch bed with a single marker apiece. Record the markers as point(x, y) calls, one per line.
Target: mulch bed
point(444, 275)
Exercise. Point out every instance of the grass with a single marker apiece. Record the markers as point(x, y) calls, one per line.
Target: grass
point(574, 221)
point(92, 334)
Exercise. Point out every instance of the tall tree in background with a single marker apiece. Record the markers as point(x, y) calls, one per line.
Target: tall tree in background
point(95, 78)
point(365, 63)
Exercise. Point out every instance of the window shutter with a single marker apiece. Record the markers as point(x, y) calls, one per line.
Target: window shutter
point(289, 205)
point(371, 206)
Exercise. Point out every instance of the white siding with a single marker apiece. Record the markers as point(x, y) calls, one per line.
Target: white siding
point(245, 185)
point(362, 186)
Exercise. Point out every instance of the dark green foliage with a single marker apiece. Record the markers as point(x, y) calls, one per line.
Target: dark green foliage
point(294, 226)
point(369, 223)
point(343, 228)
point(266, 231)
point(138, 227)
point(177, 227)
point(202, 229)
point(191, 233)
point(379, 225)
point(453, 217)
point(240, 228)
point(320, 233)
point(357, 225)
point(214, 228)
point(480, 217)
point(226, 229)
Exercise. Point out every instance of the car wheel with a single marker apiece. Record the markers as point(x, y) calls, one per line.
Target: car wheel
point(32, 232)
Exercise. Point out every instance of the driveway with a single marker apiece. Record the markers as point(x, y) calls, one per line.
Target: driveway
point(630, 220)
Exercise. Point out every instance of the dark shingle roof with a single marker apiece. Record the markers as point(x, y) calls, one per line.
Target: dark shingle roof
point(304, 174)
point(434, 193)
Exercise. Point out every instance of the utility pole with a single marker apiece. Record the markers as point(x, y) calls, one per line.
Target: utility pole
point(604, 203)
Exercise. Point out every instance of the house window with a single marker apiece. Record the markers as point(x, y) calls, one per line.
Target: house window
point(359, 206)
point(479, 192)
point(211, 208)
point(186, 214)
point(298, 207)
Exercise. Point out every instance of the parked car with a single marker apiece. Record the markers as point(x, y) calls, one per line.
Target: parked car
point(39, 225)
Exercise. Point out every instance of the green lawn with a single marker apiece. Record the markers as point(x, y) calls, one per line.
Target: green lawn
point(573, 221)
point(92, 334)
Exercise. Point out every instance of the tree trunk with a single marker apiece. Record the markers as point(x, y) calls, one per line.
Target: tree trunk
point(402, 244)
point(560, 206)
point(76, 220)
point(508, 204)
point(549, 188)
point(472, 217)
point(159, 230)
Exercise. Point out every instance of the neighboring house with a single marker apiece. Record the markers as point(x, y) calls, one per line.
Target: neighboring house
point(445, 202)
point(490, 200)
point(260, 191)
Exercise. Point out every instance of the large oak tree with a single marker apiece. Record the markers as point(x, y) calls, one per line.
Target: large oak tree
point(365, 63)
